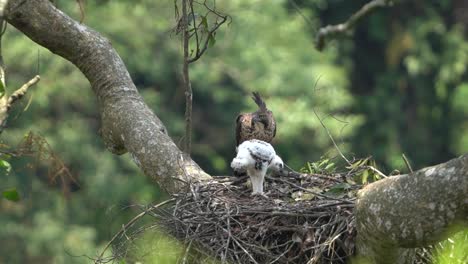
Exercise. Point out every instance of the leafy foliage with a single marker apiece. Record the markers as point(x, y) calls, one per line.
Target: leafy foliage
point(11, 194)
point(322, 166)
point(453, 250)
point(5, 165)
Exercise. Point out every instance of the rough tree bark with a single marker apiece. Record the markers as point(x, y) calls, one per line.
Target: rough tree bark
point(398, 212)
point(412, 210)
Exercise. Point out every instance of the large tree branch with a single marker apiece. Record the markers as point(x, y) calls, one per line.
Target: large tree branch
point(412, 210)
point(127, 122)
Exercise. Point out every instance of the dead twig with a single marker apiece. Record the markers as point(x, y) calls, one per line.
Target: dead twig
point(331, 31)
point(331, 137)
point(18, 94)
point(408, 165)
point(127, 225)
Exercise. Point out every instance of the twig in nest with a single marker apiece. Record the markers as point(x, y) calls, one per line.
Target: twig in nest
point(309, 191)
point(376, 171)
point(334, 30)
point(408, 165)
point(328, 131)
point(331, 137)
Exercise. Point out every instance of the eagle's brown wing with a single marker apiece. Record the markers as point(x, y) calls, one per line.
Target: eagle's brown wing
point(240, 128)
point(274, 126)
point(257, 125)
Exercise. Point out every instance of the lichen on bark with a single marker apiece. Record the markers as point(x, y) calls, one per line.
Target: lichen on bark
point(411, 210)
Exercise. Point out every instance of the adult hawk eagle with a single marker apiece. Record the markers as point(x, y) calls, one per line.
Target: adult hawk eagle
point(255, 157)
point(257, 125)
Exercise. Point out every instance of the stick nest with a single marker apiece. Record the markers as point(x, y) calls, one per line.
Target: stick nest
point(305, 219)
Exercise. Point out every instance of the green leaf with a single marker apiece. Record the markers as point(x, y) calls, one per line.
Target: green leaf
point(351, 181)
point(358, 163)
point(339, 188)
point(2, 89)
point(211, 40)
point(365, 176)
point(325, 161)
point(204, 22)
point(11, 194)
point(330, 166)
point(5, 164)
point(5, 156)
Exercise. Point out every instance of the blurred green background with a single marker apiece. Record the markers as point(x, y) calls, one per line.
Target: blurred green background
point(399, 85)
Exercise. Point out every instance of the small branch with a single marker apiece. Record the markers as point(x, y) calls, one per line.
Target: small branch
point(127, 225)
point(309, 191)
point(186, 77)
point(408, 165)
point(331, 137)
point(7, 102)
point(376, 171)
point(328, 131)
point(204, 37)
point(207, 40)
point(18, 94)
point(334, 30)
point(195, 27)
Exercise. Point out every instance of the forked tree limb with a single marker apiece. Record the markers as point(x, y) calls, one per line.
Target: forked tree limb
point(127, 122)
point(7, 101)
point(331, 31)
point(18, 94)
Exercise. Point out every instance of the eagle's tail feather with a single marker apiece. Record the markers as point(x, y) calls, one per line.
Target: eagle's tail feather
point(259, 101)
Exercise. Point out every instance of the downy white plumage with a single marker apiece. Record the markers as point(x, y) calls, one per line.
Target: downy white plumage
point(255, 157)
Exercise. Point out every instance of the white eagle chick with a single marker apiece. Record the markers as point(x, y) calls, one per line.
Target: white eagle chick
point(255, 157)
